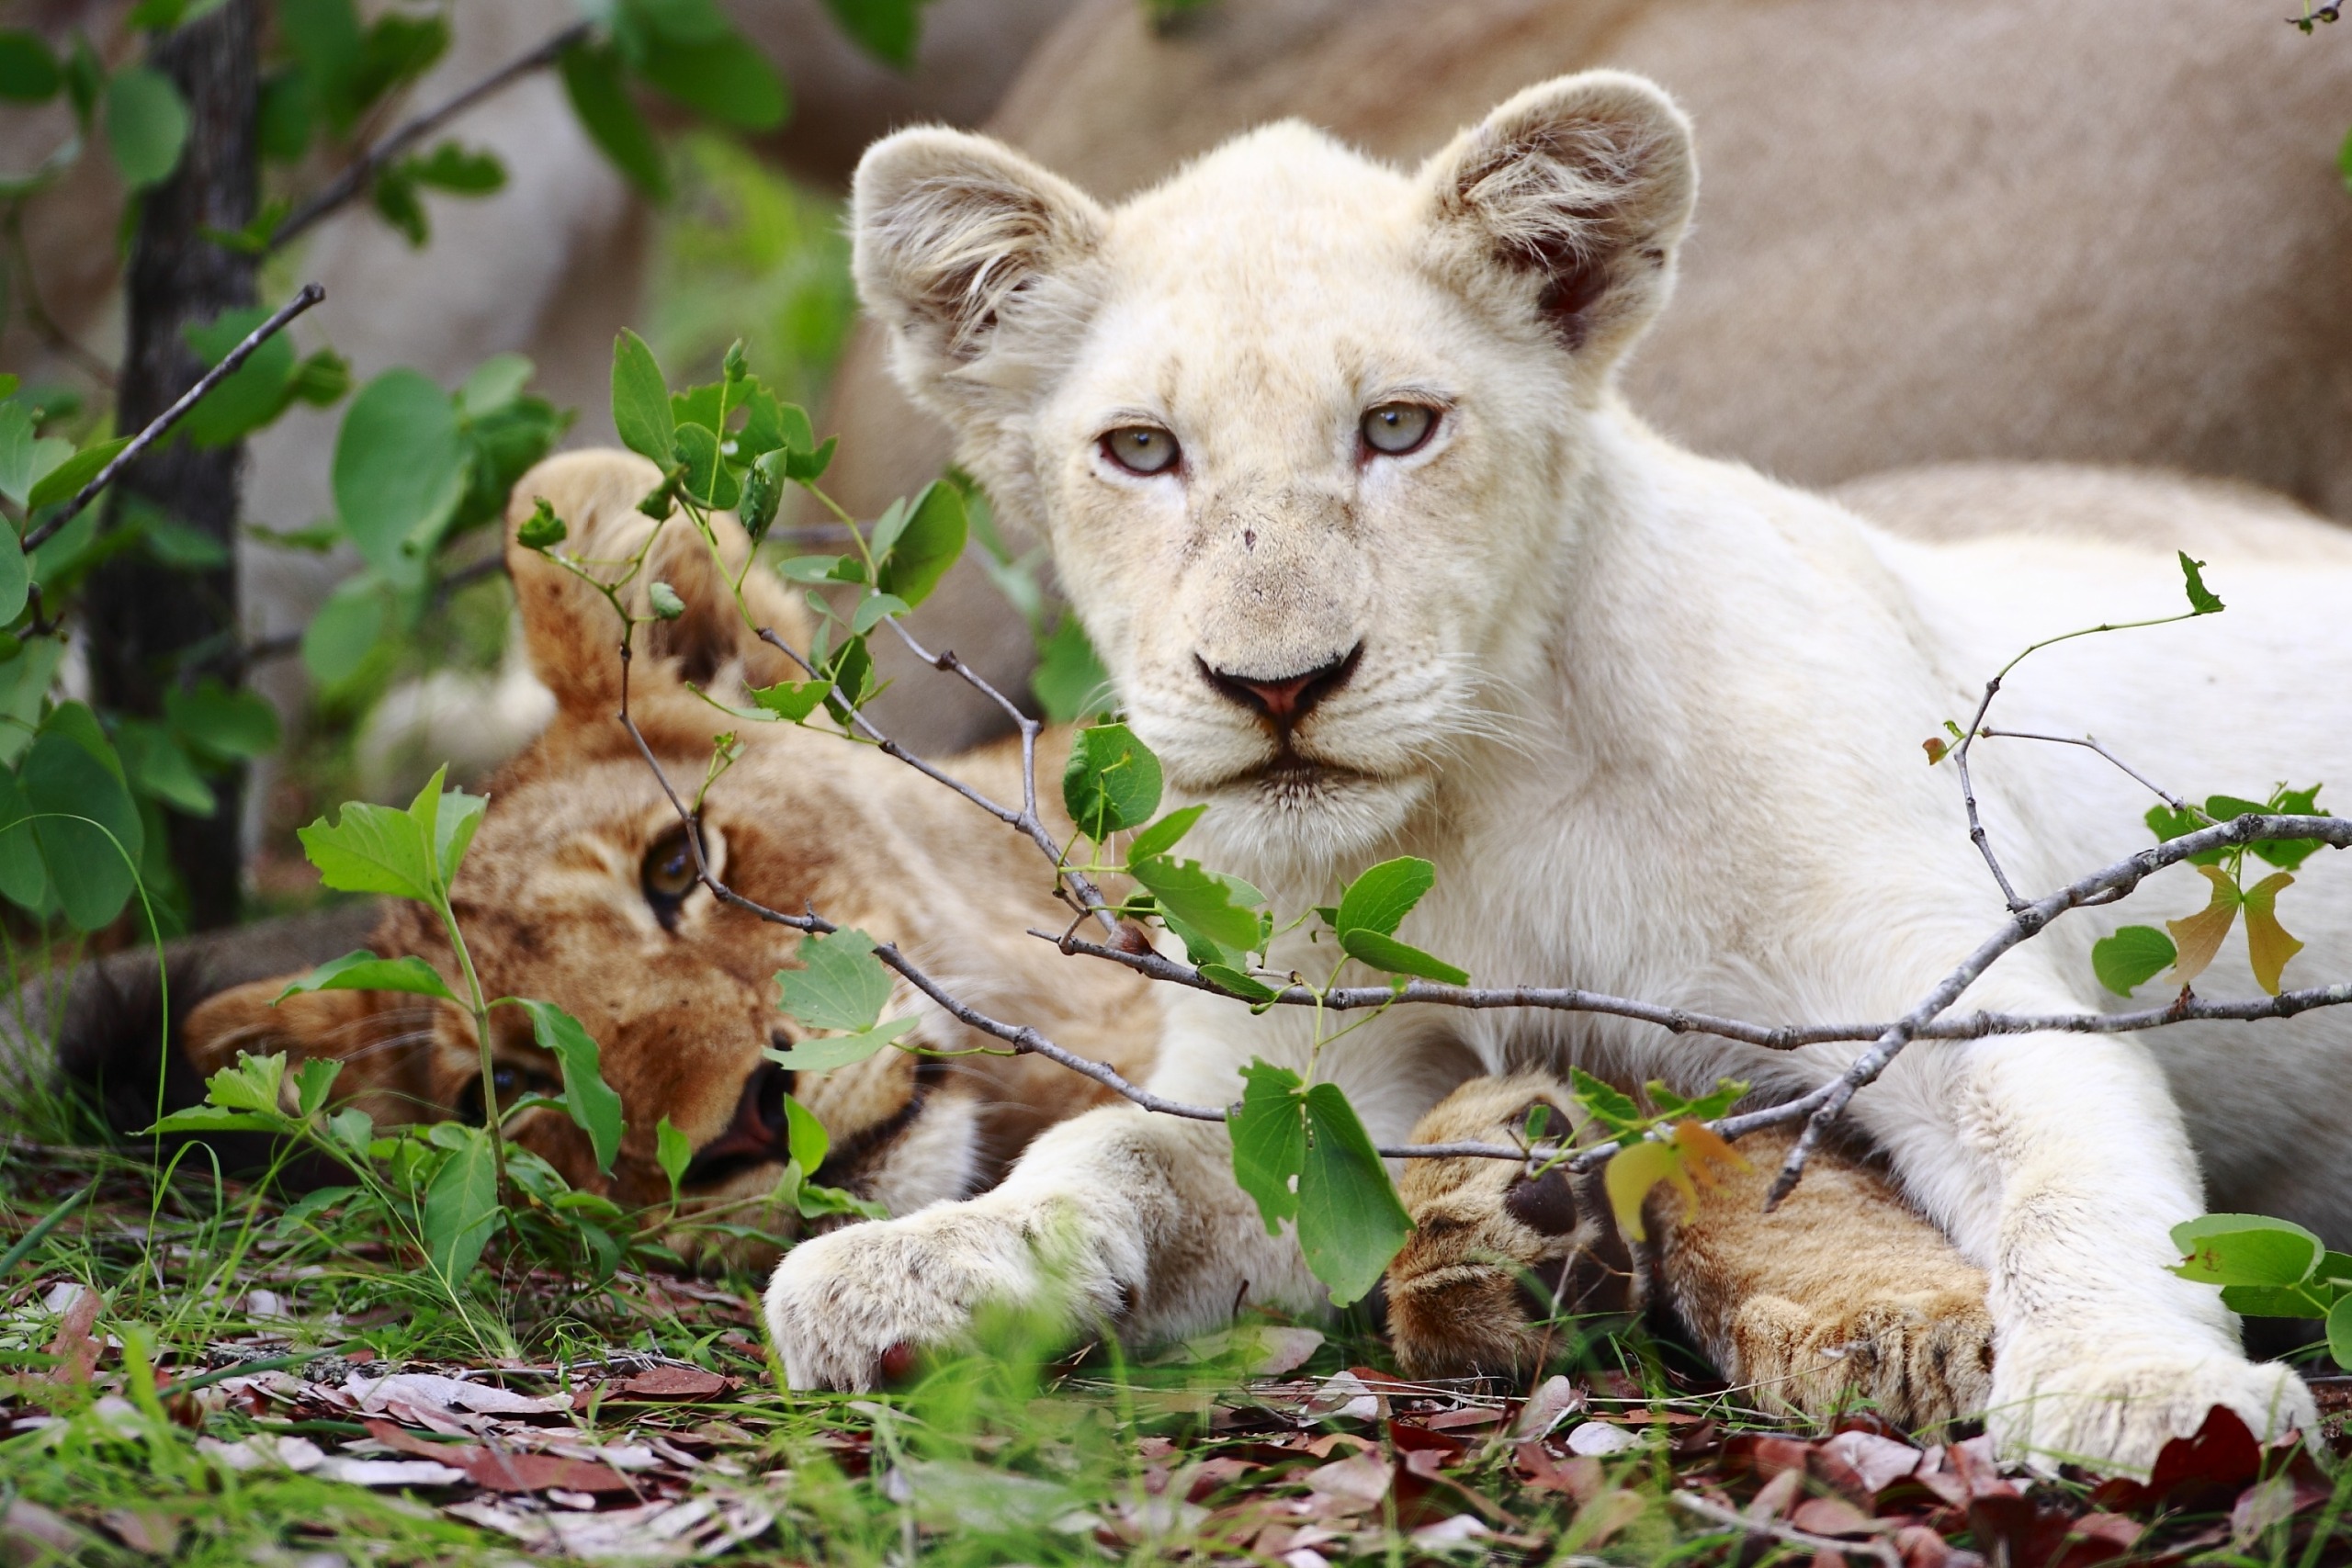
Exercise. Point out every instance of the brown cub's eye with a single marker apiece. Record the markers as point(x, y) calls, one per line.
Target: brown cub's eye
point(668, 874)
point(1395, 429)
point(1140, 448)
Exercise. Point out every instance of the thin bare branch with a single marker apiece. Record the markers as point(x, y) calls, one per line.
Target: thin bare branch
point(2187, 1008)
point(361, 171)
point(2090, 742)
point(1721, 1518)
point(310, 295)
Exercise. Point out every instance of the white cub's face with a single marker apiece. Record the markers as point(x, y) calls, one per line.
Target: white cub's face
point(1300, 428)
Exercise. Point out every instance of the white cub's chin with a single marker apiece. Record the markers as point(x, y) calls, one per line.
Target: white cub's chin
point(1273, 828)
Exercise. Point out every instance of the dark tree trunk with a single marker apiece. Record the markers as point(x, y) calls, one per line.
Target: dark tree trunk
point(142, 617)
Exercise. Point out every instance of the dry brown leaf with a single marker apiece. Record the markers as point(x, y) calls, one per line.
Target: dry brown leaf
point(672, 1383)
point(2197, 937)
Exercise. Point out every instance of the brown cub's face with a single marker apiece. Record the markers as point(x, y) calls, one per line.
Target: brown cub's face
point(581, 889)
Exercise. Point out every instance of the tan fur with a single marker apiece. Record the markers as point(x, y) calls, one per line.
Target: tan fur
point(551, 902)
point(1842, 1293)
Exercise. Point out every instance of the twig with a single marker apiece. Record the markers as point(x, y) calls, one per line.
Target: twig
point(2090, 742)
point(1026, 820)
point(1823, 1105)
point(1968, 798)
point(310, 295)
point(2188, 1008)
point(1773, 1530)
point(362, 169)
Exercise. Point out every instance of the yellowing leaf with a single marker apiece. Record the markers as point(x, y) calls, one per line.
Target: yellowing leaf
point(1706, 1149)
point(1633, 1170)
point(2198, 936)
point(2268, 945)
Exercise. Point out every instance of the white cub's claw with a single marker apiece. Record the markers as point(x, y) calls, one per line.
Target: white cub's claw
point(2114, 1410)
point(846, 1310)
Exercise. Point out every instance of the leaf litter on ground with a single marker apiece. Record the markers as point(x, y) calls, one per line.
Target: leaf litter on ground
point(647, 1428)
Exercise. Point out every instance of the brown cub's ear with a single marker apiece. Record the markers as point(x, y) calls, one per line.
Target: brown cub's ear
point(572, 633)
point(963, 246)
point(1568, 201)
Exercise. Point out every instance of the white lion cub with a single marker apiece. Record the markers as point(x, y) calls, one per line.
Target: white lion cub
point(1333, 470)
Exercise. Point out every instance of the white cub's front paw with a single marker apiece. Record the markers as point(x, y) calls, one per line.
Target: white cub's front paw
point(2113, 1408)
point(847, 1310)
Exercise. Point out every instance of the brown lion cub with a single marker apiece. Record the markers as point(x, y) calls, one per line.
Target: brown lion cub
point(580, 889)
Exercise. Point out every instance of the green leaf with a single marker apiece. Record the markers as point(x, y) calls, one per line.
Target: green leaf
point(1386, 953)
point(456, 815)
point(1633, 1170)
point(253, 1084)
point(821, 569)
point(400, 471)
point(1206, 908)
point(762, 492)
point(2339, 1332)
point(807, 467)
point(1268, 1135)
point(839, 983)
point(1226, 977)
point(23, 877)
point(793, 700)
point(1610, 1106)
point(586, 1095)
point(16, 576)
point(1163, 835)
point(724, 78)
point(823, 1054)
point(542, 530)
point(926, 546)
point(1111, 783)
point(870, 610)
point(2201, 600)
point(313, 1081)
point(156, 766)
point(177, 544)
point(283, 124)
point(495, 383)
point(1384, 894)
point(665, 602)
point(461, 1209)
point(1070, 682)
point(805, 1136)
point(258, 391)
point(2275, 1301)
point(309, 1207)
point(887, 30)
point(146, 125)
point(2131, 958)
point(599, 95)
point(1351, 1222)
point(2288, 854)
point(707, 478)
point(17, 437)
point(641, 400)
point(363, 971)
point(373, 848)
point(672, 1151)
point(463, 171)
point(29, 72)
point(2246, 1249)
point(230, 724)
point(201, 1118)
point(346, 629)
point(67, 479)
point(87, 825)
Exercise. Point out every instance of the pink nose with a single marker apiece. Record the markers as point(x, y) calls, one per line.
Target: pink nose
point(1284, 699)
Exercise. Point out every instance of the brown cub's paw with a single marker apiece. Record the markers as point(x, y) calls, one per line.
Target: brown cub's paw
point(1494, 1255)
point(1922, 1358)
point(1841, 1294)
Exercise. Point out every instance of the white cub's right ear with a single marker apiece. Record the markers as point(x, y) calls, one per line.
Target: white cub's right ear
point(958, 237)
point(1569, 200)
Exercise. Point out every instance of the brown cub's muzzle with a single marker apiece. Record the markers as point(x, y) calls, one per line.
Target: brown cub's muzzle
point(759, 1134)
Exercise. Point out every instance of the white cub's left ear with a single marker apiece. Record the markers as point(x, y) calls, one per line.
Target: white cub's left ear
point(960, 242)
point(1568, 201)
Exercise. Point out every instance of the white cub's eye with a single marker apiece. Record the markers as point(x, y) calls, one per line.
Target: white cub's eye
point(1140, 448)
point(1396, 429)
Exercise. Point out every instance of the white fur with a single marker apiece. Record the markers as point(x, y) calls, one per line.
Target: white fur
point(1656, 719)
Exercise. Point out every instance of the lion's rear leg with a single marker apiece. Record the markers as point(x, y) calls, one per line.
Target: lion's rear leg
point(1842, 1294)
